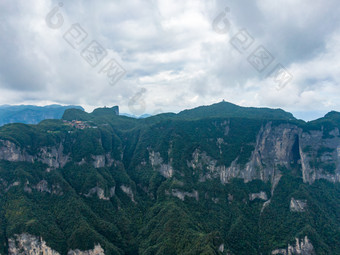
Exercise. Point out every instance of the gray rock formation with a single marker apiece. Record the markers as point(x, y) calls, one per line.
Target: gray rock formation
point(297, 205)
point(320, 157)
point(52, 156)
point(230, 198)
point(182, 194)
point(112, 191)
point(276, 148)
point(44, 186)
point(265, 204)
point(128, 191)
point(302, 247)
point(24, 244)
point(273, 149)
point(97, 250)
point(27, 244)
point(5, 186)
point(221, 248)
point(261, 195)
point(97, 191)
point(157, 163)
point(98, 161)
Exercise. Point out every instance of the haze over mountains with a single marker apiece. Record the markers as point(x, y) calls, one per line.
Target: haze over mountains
point(219, 179)
point(31, 114)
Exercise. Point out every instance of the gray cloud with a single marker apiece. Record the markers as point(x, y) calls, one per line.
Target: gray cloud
point(170, 49)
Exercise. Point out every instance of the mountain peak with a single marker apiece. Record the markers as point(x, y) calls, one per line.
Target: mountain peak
point(332, 115)
point(106, 111)
point(76, 114)
point(227, 109)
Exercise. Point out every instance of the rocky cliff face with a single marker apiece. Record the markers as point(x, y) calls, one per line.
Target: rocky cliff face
point(274, 149)
point(11, 152)
point(297, 205)
point(302, 247)
point(52, 156)
point(320, 155)
point(128, 191)
point(182, 194)
point(157, 163)
point(97, 250)
point(28, 244)
point(261, 195)
point(100, 193)
point(278, 148)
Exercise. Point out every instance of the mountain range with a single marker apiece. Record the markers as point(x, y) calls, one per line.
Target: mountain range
point(218, 179)
point(31, 114)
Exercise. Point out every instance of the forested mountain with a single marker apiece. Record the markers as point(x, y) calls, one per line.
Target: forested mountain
point(220, 179)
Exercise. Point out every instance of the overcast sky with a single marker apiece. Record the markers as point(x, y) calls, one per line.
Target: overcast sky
point(176, 54)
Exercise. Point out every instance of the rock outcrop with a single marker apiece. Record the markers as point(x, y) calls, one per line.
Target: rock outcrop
point(98, 161)
point(302, 247)
point(157, 163)
point(278, 147)
point(44, 186)
point(273, 149)
point(5, 186)
point(24, 244)
point(27, 244)
point(297, 205)
point(261, 195)
point(128, 191)
point(97, 250)
point(182, 194)
point(320, 157)
point(100, 193)
point(52, 156)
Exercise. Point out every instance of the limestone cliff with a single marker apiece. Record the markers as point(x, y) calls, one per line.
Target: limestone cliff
point(28, 244)
point(301, 247)
point(52, 156)
point(297, 205)
point(277, 148)
point(157, 163)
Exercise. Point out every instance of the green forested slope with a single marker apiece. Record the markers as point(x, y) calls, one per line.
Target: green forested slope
point(153, 220)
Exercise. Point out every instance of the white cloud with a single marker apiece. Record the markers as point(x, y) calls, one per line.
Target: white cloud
point(170, 49)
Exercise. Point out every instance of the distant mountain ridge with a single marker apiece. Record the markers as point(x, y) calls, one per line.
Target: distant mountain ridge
point(32, 114)
point(219, 110)
point(226, 109)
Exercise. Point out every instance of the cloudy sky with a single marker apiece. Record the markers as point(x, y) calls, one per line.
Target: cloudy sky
point(168, 55)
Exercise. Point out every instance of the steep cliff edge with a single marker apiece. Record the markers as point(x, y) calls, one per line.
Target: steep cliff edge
point(27, 244)
point(52, 156)
point(278, 148)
